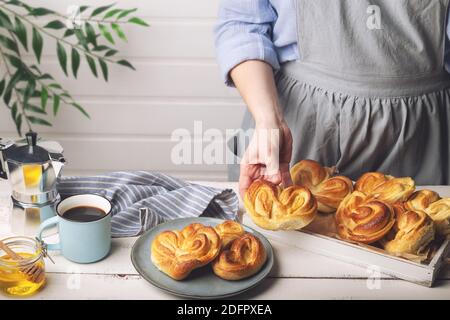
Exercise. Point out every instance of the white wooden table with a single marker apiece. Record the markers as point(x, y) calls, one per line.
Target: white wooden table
point(297, 274)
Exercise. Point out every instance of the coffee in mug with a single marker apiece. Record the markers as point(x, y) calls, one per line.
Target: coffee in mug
point(84, 223)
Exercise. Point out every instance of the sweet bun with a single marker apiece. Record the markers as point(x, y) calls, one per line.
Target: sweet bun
point(229, 231)
point(412, 232)
point(273, 208)
point(178, 253)
point(362, 218)
point(245, 257)
point(329, 190)
point(439, 211)
point(420, 200)
point(385, 188)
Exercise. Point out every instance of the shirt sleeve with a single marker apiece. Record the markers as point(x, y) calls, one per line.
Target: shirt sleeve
point(244, 32)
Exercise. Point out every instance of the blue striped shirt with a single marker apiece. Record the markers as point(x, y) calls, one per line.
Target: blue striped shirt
point(260, 30)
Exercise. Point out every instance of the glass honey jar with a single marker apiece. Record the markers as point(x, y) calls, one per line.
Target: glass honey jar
point(22, 266)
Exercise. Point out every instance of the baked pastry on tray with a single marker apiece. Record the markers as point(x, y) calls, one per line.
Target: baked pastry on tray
point(384, 187)
point(420, 200)
point(412, 232)
point(365, 219)
point(245, 256)
point(439, 211)
point(178, 253)
point(274, 208)
point(329, 190)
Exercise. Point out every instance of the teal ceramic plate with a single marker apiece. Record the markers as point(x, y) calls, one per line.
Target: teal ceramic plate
point(201, 283)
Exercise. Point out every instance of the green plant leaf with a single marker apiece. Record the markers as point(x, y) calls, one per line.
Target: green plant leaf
point(44, 98)
point(21, 32)
point(126, 64)
point(83, 8)
point(110, 52)
point(119, 31)
point(55, 24)
point(7, 96)
point(38, 44)
point(104, 68)
point(138, 21)
point(29, 91)
point(81, 38)
point(126, 13)
point(39, 121)
point(5, 21)
point(91, 37)
point(100, 48)
point(34, 109)
point(62, 56)
point(69, 33)
point(14, 111)
point(18, 122)
point(38, 12)
point(9, 43)
point(56, 103)
point(75, 61)
point(55, 85)
point(81, 109)
point(92, 66)
point(15, 61)
point(99, 10)
point(104, 31)
point(111, 13)
point(2, 86)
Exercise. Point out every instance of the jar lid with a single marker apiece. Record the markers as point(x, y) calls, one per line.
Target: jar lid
point(29, 153)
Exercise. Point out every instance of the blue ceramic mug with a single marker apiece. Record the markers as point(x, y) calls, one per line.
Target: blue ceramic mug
point(80, 241)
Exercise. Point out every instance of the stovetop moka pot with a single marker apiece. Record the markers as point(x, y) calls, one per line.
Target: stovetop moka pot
point(32, 172)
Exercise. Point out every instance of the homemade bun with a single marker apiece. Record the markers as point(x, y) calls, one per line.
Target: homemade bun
point(245, 257)
point(177, 253)
point(363, 218)
point(328, 190)
point(273, 208)
point(385, 188)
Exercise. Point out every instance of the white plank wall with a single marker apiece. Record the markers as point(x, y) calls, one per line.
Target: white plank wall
point(176, 83)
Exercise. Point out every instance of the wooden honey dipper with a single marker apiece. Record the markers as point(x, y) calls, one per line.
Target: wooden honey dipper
point(34, 272)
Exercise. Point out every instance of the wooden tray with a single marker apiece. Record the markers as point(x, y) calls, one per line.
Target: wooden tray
point(422, 274)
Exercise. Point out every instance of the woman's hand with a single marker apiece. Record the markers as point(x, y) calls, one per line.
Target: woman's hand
point(270, 150)
point(267, 156)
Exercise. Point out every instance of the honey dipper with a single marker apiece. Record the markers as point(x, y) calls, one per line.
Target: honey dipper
point(35, 273)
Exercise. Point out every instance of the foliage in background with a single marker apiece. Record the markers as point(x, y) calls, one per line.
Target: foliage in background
point(30, 92)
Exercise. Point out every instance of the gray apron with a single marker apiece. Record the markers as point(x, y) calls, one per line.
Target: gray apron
point(369, 94)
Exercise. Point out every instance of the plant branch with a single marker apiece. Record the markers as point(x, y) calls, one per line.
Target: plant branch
point(21, 103)
point(41, 29)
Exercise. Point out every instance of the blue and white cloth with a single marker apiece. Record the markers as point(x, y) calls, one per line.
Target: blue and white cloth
point(141, 200)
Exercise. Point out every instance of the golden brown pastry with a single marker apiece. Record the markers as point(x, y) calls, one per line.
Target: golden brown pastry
point(420, 200)
point(229, 231)
point(385, 188)
point(272, 208)
point(439, 211)
point(363, 218)
point(244, 258)
point(177, 253)
point(328, 190)
point(412, 232)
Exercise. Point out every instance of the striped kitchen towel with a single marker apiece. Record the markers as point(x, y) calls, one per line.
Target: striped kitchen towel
point(143, 199)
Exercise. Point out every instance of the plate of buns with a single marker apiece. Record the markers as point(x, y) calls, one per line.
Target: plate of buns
point(204, 258)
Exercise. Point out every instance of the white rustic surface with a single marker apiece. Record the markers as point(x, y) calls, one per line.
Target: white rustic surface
point(297, 274)
point(176, 83)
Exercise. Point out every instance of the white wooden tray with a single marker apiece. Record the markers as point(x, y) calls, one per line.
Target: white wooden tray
point(365, 257)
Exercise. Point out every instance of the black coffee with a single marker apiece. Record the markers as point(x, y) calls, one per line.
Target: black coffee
point(84, 214)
